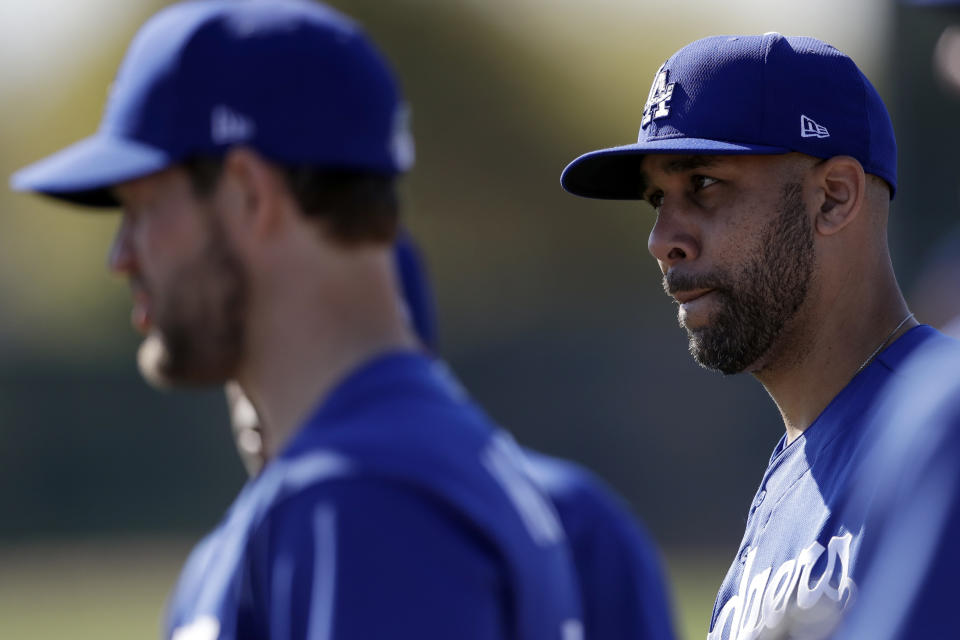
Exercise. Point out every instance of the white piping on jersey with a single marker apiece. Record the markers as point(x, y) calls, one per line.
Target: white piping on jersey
point(324, 573)
point(762, 603)
point(504, 460)
point(571, 629)
point(311, 468)
point(202, 628)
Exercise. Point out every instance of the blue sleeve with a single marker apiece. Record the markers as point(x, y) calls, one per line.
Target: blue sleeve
point(359, 559)
point(621, 577)
point(623, 586)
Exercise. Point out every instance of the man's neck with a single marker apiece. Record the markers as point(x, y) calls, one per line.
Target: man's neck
point(822, 352)
point(299, 355)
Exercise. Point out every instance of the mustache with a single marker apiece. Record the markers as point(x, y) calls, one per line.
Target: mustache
point(675, 282)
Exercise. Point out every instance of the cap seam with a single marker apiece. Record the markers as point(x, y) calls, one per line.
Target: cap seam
point(765, 50)
point(215, 21)
point(866, 110)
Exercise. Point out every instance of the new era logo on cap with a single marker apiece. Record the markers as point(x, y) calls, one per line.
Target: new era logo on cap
point(226, 126)
point(810, 129)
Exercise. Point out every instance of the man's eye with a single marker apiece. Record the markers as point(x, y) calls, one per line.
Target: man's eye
point(656, 200)
point(702, 182)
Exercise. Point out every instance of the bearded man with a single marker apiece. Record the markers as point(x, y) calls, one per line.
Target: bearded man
point(770, 162)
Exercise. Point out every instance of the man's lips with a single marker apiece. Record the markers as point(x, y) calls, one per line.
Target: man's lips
point(684, 297)
point(140, 314)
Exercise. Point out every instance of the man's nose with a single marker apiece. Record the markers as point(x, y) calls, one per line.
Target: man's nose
point(674, 237)
point(121, 259)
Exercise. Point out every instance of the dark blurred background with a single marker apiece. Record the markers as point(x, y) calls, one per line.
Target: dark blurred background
point(550, 307)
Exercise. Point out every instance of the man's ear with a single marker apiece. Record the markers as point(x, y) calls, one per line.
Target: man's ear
point(842, 185)
point(255, 192)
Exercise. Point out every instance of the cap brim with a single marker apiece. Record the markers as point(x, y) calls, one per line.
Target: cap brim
point(85, 172)
point(614, 174)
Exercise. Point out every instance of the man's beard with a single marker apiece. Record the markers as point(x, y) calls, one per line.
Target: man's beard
point(756, 302)
point(199, 330)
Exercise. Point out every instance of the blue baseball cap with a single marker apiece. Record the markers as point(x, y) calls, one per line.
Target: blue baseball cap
point(293, 79)
point(737, 95)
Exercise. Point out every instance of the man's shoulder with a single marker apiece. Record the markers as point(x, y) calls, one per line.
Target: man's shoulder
point(479, 477)
point(360, 502)
point(923, 403)
point(397, 409)
point(580, 495)
point(926, 383)
point(922, 358)
point(938, 353)
point(619, 566)
point(915, 351)
point(562, 477)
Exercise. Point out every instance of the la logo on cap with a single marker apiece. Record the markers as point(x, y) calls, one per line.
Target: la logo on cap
point(658, 102)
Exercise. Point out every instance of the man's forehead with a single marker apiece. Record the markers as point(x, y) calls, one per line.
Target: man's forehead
point(670, 164)
point(144, 185)
point(675, 164)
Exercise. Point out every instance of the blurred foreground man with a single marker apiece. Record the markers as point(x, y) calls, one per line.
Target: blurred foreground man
point(910, 488)
point(909, 493)
point(771, 162)
point(254, 147)
point(618, 568)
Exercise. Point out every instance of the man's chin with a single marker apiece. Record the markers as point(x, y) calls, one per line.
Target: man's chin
point(162, 370)
point(710, 355)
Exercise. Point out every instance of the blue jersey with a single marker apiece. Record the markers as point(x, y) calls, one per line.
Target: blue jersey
point(619, 569)
point(795, 567)
point(397, 511)
point(911, 494)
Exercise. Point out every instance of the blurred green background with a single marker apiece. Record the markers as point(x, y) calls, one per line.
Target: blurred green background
point(550, 307)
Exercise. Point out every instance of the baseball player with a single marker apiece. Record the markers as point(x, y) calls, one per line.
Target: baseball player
point(254, 148)
point(771, 162)
point(618, 569)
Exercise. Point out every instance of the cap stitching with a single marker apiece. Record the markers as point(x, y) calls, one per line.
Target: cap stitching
point(765, 50)
point(866, 110)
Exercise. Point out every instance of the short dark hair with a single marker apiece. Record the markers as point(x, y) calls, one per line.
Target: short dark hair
point(357, 206)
